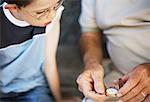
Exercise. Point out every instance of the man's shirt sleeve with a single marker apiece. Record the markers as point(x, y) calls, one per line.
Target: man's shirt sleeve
point(87, 18)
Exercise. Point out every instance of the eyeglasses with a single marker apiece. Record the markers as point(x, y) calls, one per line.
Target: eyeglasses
point(47, 13)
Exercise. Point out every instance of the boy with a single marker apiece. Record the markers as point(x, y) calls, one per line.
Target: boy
point(24, 26)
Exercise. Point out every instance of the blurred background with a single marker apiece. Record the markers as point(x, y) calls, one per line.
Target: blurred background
point(68, 55)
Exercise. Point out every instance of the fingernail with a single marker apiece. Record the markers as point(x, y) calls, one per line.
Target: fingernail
point(119, 95)
point(101, 91)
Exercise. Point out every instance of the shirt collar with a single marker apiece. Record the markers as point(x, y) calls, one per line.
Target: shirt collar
point(12, 19)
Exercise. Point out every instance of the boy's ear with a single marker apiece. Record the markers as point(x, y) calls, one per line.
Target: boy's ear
point(11, 7)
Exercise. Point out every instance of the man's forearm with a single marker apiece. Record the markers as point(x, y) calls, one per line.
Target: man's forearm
point(90, 44)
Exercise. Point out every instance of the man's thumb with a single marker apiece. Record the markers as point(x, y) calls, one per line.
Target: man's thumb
point(99, 85)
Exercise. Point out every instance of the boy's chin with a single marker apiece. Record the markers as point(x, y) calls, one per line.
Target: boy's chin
point(42, 25)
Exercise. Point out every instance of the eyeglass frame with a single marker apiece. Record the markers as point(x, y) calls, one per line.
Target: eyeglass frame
point(46, 11)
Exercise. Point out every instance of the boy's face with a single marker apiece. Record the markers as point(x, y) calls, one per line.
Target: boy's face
point(39, 12)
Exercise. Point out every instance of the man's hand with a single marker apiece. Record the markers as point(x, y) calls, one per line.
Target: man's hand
point(91, 82)
point(137, 85)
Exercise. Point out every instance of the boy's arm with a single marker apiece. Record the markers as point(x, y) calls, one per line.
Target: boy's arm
point(51, 73)
point(52, 39)
point(50, 70)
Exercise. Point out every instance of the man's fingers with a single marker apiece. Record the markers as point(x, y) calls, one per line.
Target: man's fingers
point(130, 83)
point(96, 97)
point(124, 79)
point(90, 82)
point(97, 76)
point(99, 87)
point(83, 77)
point(89, 93)
point(116, 82)
point(147, 99)
point(140, 97)
point(133, 92)
point(81, 80)
point(86, 88)
point(98, 83)
point(126, 88)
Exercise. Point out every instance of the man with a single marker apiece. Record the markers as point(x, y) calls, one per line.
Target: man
point(126, 24)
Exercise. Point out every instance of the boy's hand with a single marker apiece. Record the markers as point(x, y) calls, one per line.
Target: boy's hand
point(90, 82)
point(137, 86)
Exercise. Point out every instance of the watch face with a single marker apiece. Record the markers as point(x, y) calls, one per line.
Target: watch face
point(111, 91)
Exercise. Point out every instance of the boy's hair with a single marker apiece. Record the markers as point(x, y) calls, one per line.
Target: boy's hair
point(19, 3)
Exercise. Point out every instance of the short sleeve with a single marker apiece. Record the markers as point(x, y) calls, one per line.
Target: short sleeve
point(87, 18)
